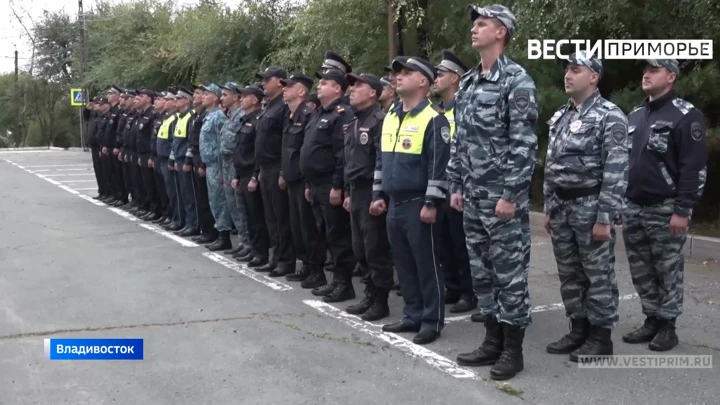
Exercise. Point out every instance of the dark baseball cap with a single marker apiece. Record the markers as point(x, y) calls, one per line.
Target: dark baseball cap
point(298, 78)
point(334, 75)
point(416, 64)
point(367, 78)
point(671, 65)
point(272, 71)
point(253, 89)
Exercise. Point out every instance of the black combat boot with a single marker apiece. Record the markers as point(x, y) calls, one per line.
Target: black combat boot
point(237, 249)
point(645, 333)
point(343, 292)
point(300, 275)
point(598, 344)
point(579, 332)
point(362, 306)
point(467, 302)
point(315, 280)
point(379, 308)
point(222, 243)
point(511, 360)
point(666, 337)
point(326, 289)
point(489, 351)
point(283, 269)
point(478, 317)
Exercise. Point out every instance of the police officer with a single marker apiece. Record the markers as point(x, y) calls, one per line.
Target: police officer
point(166, 161)
point(321, 162)
point(668, 169)
point(333, 61)
point(228, 135)
point(141, 135)
point(184, 104)
point(194, 164)
point(456, 262)
point(164, 210)
point(210, 155)
point(308, 241)
point(117, 151)
point(585, 180)
point(113, 97)
point(96, 150)
point(410, 171)
point(102, 119)
point(128, 152)
point(388, 95)
point(257, 252)
point(369, 232)
point(268, 157)
point(493, 158)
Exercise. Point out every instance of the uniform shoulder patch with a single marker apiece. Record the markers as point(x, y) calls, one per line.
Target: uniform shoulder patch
point(445, 134)
point(521, 100)
point(696, 131)
point(340, 109)
point(619, 134)
point(682, 105)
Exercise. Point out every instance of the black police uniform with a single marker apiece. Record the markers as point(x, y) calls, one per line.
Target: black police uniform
point(206, 221)
point(117, 164)
point(369, 232)
point(245, 171)
point(145, 177)
point(92, 141)
point(130, 158)
point(308, 241)
point(321, 162)
point(268, 156)
point(108, 141)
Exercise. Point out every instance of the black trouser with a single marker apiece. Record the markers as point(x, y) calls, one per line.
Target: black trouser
point(107, 170)
point(414, 245)
point(171, 187)
point(119, 178)
point(253, 201)
point(308, 241)
point(103, 189)
point(206, 221)
point(187, 190)
point(277, 206)
point(137, 179)
point(164, 205)
point(147, 175)
point(128, 174)
point(370, 239)
point(336, 222)
point(455, 259)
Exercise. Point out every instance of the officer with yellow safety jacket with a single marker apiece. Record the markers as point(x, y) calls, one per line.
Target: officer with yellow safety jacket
point(186, 200)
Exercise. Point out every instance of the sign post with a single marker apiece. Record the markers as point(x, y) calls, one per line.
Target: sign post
point(78, 98)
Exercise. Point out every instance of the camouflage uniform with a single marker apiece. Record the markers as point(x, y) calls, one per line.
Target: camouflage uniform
point(210, 155)
point(493, 157)
point(585, 180)
point(235, 206)
point(667, 176)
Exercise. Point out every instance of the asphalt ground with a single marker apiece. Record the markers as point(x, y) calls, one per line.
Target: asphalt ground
point(216, 332)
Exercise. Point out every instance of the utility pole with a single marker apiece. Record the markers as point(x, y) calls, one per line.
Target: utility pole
point(16, 104)
point(81, 23)
point(391, 30)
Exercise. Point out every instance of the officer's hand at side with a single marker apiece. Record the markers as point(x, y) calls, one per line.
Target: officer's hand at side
point(456, 202)
point(307, 194)
point(139, 162)
point(252, 186)
point(235, 184)
point(116, 151)
point(505, 210)
point(601, 232)
point(175, 166)
point(187, 168)
point(104, 150)
point(201, 172)
point(281, 183)
point(547, 223)
point(336, 196)
point(120, 158)
point(678, 224)
point(378, 207)
point(428, 215)
point(346, 204)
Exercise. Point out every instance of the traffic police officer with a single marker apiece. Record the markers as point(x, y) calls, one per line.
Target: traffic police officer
point(369, 232)
point(585, 180)
point(210, 154)
point(268, 156)
point(411, 171)
point(257, 252)
point(194, 164)
point(166, 161)
point(321, 162)
point(493, 158)
point(184, 99)
point(159, 180)
point(668, 169)
point(456, 262)
point(309, 244)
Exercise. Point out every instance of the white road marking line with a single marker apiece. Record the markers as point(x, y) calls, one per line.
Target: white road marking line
point(68, 189)
point(92, 200)
point(241, 269)
point(76, 165)
point(123, 214)
point(84, 189)
point(168, 235)
point(76, 181)
point(62, 170)
point(539, 308)
point(26, 151)
point(433, 359)
point(69, 174)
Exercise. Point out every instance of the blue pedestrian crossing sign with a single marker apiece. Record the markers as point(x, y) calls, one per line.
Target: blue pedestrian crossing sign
point(78, 97)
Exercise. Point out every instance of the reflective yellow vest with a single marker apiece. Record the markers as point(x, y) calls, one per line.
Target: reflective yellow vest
point(182, 124)
point(450, 115)
point(164, 131)
point(407, 137)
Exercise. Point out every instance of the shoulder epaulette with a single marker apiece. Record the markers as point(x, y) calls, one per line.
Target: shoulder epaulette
point(340, 108)
point(682, 105)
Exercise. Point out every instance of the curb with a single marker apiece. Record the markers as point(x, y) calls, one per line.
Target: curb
point(699, 248)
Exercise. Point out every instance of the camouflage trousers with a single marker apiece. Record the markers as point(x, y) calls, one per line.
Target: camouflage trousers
point(216, 196)
point(656, 258)
point(235, 206)
point(586, 267)
point(499, 252)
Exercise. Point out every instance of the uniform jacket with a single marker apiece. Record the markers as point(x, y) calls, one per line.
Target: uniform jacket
point(209, 137)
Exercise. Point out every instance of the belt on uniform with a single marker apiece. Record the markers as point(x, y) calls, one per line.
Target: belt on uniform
point(360, 183)
point(573, 193)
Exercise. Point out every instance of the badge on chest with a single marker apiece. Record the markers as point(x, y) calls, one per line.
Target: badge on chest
point(575, 126)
